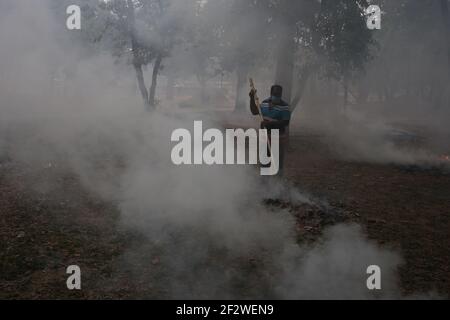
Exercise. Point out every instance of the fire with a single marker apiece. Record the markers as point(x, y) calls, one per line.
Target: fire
point(444, 158)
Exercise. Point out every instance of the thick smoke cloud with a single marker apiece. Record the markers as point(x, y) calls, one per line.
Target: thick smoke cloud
point(203, 220)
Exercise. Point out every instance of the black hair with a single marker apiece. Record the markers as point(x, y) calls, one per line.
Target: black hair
point(276, 90)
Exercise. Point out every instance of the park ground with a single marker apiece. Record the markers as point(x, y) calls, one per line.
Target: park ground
point(45, 229)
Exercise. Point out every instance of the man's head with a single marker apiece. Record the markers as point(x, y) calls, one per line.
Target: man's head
point(276, 93)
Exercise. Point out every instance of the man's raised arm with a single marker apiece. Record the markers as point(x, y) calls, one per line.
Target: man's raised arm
point(253, 106)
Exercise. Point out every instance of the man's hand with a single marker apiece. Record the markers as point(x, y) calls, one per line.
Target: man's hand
point(253, 107)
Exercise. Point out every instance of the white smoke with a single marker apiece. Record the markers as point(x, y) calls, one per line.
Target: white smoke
point(208, 223)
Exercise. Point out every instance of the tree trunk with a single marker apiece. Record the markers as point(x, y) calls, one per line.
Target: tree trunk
point(135, 49)
point(141, 83)
point(285, 60)
point(303, 80)
point(152, 94)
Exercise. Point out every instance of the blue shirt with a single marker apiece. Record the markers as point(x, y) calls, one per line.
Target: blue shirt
point(278, 112)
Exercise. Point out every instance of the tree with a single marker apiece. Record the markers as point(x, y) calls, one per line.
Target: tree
point(296, 39)
point(412, 31)
point(151, 40)
point(240, 29)
point(329, 37)
point(146, 29)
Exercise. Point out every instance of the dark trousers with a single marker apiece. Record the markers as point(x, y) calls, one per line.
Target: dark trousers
point(282, 151)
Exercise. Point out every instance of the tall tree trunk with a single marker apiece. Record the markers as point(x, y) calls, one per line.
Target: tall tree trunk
point(152, 94)
point(285, 60)
point(303, 80)
point(135, 49)
point(141, 83)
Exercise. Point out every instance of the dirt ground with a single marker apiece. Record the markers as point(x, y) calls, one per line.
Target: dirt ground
point(406, 208)
point(45, 229)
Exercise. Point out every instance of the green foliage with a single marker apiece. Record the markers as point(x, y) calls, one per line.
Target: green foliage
point(341, 40)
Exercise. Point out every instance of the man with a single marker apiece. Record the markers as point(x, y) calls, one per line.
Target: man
point(276, 114)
